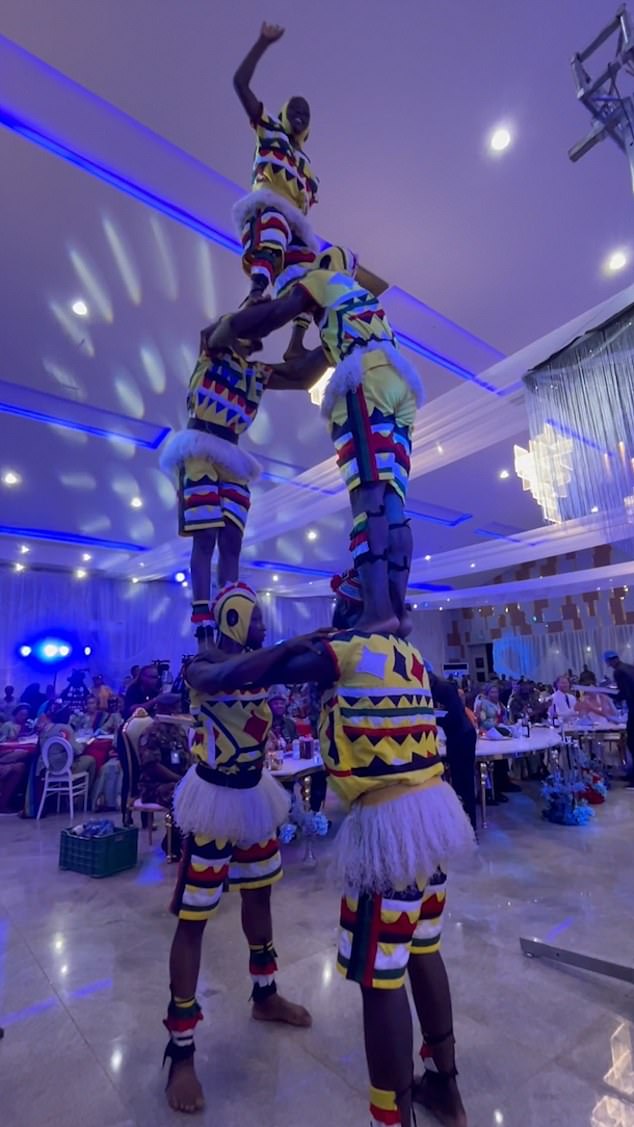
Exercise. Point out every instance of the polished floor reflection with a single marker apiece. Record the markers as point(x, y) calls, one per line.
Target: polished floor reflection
point(83, 987)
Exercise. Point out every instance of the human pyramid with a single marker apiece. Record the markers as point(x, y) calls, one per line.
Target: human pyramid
point(377, 726)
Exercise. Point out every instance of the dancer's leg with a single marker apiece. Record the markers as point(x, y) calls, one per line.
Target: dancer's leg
point(374, 948)
point(203, 544)
point(229, 545)
point(184, 1092)
point(387, 1026)
point(202, 872)
point(369, 547)
point(399, 551)
point(265, 237)
point(235, 502)
point(437, 1090)
point(254, 870)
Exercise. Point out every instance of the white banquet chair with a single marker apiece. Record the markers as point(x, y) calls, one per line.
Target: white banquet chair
point(59, 779)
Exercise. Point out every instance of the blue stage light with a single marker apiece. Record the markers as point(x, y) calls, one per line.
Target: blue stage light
point(87, 651)
point(25, 651)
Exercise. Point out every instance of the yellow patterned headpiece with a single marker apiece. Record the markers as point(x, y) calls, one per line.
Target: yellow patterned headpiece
point(232, 611)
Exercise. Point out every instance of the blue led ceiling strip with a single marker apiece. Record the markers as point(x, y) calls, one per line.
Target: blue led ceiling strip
point(294, 569)
point(446, 522)
point(57, 537)
point(116, 180)
point(84, 428)
point(131, 188)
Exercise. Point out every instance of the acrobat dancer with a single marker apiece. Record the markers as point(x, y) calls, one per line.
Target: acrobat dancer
point(370, 403)
point(272, 219)
point(212, 473)
point(379, 745)
point(230, 811)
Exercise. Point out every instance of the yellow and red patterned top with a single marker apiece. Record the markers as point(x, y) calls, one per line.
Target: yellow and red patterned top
point(347, 315)
point(230, 733)
point(281, 166)
point(226, 389)
point(377, 726)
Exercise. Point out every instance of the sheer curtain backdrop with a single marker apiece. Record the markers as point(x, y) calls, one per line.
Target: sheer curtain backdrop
point(132, 623)
point(545, 657)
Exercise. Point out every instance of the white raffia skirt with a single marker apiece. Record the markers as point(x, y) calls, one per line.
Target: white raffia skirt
point(401, 841)
point(241, 816)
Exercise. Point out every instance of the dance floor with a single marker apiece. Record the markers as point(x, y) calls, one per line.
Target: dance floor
point(83, 987)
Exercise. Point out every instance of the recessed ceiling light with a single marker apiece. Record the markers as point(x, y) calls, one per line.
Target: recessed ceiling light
point(312, 534)
point(276, 578)
point(79, 308)
point(500, 139)
point(471, 565)
point(10, 477)
point(136, 503)
point(439, 448)
point(414, 606)
point(19, 567)
point(503, 475)
point(86, 557)
point(80, 573)
point(428, 558)
point(135, 579)
point(594, 509)
point(24, 549)
point(616, 261)
point(180, 577)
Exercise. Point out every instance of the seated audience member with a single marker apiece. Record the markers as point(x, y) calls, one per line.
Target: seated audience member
point(49, 696)
point(492, 715)
point(18, 726)
point(283, 726)
point(596, 706)
point(525, 702)
point(56, 722)
point(493, 722)
point(34, 697)
point(90, 718)
point(76, 692)
point(101, 691)
point(164, 757)
point(563, 703)
point(8, 699)
point(106, 794)
point(114, 716)
point(14, 769)
point(587, 677)
point(506, 688)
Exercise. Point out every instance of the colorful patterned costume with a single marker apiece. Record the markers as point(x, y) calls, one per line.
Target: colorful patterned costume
point(224, 395)
point(378, 741)
point(373, 393)
point(272, 219)
point(230, 811)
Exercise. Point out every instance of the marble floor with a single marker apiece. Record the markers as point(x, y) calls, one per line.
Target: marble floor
point(83, 987)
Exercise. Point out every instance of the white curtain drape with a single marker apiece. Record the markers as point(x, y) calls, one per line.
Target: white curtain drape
point(544, 657)
point(128, 623)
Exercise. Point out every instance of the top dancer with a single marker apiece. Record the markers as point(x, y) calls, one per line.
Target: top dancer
point(272, 218)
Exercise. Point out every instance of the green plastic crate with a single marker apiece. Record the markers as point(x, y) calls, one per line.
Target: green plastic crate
point(99, 856)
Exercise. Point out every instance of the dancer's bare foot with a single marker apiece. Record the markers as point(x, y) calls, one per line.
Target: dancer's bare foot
point(183, 1090)
point(440, 1095)
point(371, 625)
point(277, 1008)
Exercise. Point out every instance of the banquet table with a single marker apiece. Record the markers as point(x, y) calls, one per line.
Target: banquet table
point(487, 751)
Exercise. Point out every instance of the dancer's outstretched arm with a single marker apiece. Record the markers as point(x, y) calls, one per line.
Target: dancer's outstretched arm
point(269, 33)
point(299, 375)
point(261, 667)
point(258, 320)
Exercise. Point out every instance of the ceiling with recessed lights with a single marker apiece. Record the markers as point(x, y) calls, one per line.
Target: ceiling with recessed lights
point(449, 177)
